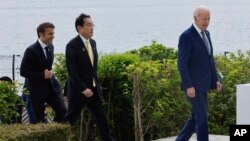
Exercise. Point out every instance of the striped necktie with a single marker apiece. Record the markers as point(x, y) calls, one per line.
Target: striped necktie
point(206, 42)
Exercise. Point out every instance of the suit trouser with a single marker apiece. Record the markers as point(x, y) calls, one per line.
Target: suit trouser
point(28, 107)
point(94, 104)
point(54, 100)
point(198, 122)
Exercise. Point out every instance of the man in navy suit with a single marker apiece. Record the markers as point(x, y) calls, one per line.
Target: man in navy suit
point(36, 67)
point(198, 73)
point(83, 83)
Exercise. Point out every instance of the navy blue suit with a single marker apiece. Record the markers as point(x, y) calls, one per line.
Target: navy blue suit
point(41, 90)
point(81, 73)
point(197, 69)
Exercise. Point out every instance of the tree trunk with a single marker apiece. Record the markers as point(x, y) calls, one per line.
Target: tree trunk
point(137, 108)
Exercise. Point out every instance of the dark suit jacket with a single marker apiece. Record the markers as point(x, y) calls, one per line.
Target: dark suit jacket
point(81, 71)
point(196, 67)
point(32, 68)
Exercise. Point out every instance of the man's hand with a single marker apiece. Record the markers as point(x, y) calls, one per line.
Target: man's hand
point(191, 92)
point(88, 92)
point(47, 74)
point(218, 86)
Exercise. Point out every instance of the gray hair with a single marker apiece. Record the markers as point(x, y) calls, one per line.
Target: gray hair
point(198, 9)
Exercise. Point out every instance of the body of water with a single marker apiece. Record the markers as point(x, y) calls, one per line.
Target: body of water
point(122, 25)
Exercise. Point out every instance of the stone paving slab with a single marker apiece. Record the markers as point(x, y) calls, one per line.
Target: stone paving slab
point(193, 138)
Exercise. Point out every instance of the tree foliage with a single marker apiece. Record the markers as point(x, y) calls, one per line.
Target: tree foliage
point(235, 70)
point(118, 102)
point(152, 71)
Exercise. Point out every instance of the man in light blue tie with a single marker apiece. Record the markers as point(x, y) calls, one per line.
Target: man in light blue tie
point(198, 73)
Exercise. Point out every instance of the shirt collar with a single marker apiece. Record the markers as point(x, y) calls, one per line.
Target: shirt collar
point(197, 28)
point(43, 45)
point(83, 39)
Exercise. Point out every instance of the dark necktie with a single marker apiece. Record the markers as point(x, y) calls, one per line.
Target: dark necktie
point(206, 42)
point(48, 56)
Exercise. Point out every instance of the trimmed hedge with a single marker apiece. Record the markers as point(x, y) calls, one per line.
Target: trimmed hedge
point(37, 132)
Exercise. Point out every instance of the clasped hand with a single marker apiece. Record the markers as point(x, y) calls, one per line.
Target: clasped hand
point(48, 74)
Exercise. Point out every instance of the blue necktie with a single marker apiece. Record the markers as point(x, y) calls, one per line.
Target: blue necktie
point(206, 42)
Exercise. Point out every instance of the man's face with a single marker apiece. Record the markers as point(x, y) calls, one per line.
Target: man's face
point(87, 29)
point(202, 19)
point(48, 36)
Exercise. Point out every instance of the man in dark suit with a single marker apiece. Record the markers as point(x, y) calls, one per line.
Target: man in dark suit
point(83, 84)
point(36, 67)
point(198, 73)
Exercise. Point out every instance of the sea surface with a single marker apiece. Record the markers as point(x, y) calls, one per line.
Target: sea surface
point(122, 25)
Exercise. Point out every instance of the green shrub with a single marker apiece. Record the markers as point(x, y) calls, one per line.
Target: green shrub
point(162, 117)
point(155, 51)
point(118, 102)
point(222, 106)
point(59, 68)
point(38, 132)
point(160, 97)
point(9, 101)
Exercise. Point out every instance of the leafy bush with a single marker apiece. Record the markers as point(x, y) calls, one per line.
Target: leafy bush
point(38, 132)
point(222, 107)
point(158, 98)
point(118, 103)
point(155, 51)
point(60, 69)
point(160, 91)
point(9, 102)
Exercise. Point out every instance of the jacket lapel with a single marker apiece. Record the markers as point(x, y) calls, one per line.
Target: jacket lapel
point(84, 49)
point(199, 39)
point(210, 42)
point(40, 51)
point(41, 54)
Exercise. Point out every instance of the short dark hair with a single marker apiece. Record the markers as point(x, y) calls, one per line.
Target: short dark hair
point(41, 28)
point(80, 20)
point(6, 79)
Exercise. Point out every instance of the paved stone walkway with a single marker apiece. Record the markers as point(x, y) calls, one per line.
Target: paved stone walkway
point(193, 138)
